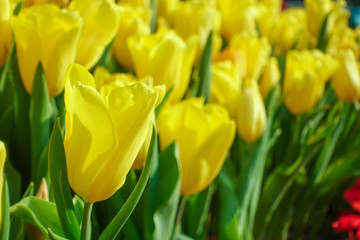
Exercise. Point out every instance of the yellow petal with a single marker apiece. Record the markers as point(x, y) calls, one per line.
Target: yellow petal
point(2, 163)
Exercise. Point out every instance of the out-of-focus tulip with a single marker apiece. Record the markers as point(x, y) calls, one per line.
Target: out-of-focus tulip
point(227, 78)
point(270, 77)
point(318, 10)
point(197, 18)
point(60, 3)
point(346, 80)
point(44, 33)
point(101, 22)
point(165, 57)
point(5, 30)
point(204, 134)
point(105, 83)
point(306, 73)
point(344, 38)
point(133, 22)
point(104, 133)
point(2, 163)
point(257, 52)
point(269, 13)
point(290, 31)
point(238, 17)
point(250, 112)
point(166, 9)
point(136, 3)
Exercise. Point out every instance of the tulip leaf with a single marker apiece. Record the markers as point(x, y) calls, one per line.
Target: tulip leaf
point(163, 102)
point(5, 214)
point(205, 71)
point(78, 206)
point(14, 182)
point(154, 6)
point(60, 185)
point(196, 211)
point(6, 89)
point(7, 124)
point(40, 213)
point(323, 38)
point(40, 116)
point(121, 217)
point(54, 236)
point(165, 185)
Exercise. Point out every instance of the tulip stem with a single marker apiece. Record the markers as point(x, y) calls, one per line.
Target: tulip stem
point(179, 217)
point(86, 222)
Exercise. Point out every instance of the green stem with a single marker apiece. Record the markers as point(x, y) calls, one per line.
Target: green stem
point(86, 222)
point(179, 217)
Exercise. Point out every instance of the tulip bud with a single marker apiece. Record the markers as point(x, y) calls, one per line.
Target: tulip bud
point(346, 80)
point(257, 52)
point(238, 16)
point(2, 163)
point(306, 73)
point(270, 77)
point(250, 115)
point(133, 22)
point(166, 58)
point(101, 22)
point(104, 133)
point(204, 134)
point(44, 33)
point(5, 30)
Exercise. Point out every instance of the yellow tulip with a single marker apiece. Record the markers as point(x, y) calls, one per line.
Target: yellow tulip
point(268, 16)
point(293, 31)
point(101, 22)
point(2, 163)
point(225, 83)
point(250, 112)
point(104, 133)
point(105, 83)
point(270, 77)
point(238, 17)
point(197, 18)
point(166, 9)
point(317, 10)
point(44, 33)
point(257, 51)
point(346, 80)
point(133, 22)
point(136, 3)
point(343, 38)
point(166, 58)
point(306, 73)
point(5, 30)
point(204, 134)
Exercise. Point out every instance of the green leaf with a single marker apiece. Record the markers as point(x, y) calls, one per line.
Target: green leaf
point(54, 236)
point(40, 213)
point(165, 182)
point(323, 38)
point(40, 115)
point(14, 182)
point(154, 6)
point(196, 211)
point(205, 71)
point(5, 214)
point(79, 207)
point(121, 217)
point(6, 89)
point(7, 124)
point(60, 185)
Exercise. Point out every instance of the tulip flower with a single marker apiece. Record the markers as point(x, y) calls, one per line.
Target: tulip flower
point(133, 22)
point(5, 30)
point(60, 3)
point(104, 133)
point(346, 80)
point(238, 17)
point(204, 134)
point(318, 10)
point(343, 38)
point(257, 52)
point(2, 163)
point(166, 58)
point(44, 33)
point(101, 22)
point(250, 112)
point(198, 18)
point(136, 3)
point(270, 77)
point(225, 84)
point(105, 83)
point(306, 73)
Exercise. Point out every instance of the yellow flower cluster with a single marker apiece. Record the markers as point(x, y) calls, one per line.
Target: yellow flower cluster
point(109, 116)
